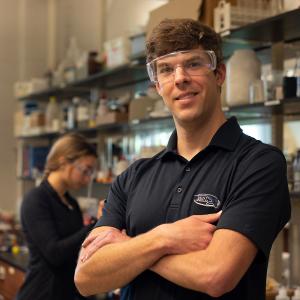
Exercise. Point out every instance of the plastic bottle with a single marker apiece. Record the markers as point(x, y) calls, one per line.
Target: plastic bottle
point(282, 294)
point(94, 100)
point(92, 113)
point(52, 115)
point(296, 170)
point(296, 294)
point(72, 113)
point(83, 113)
point(102, 108)
point(64, 118)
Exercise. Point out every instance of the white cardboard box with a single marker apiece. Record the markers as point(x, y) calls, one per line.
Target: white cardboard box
point(117, 51)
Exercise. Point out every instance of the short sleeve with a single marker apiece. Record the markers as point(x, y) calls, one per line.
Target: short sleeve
point(114, 211)
point(258, 204)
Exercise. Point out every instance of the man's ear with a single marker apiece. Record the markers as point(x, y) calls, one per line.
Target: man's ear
point(220, 74)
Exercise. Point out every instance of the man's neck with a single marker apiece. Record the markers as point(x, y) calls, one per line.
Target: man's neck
point(193, 138)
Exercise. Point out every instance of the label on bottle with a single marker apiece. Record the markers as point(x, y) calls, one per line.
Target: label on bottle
point(71, 117)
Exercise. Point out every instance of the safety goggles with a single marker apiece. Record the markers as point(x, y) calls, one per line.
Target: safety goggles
point(85, 171)
point(196, 62)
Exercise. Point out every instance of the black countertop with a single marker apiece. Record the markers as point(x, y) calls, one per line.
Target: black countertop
point(18, 261)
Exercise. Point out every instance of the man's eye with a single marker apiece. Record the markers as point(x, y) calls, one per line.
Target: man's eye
point(195, 64)
point(165, 70)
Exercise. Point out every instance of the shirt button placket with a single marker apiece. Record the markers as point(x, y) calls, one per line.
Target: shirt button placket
point(179, 189)
point(187, 169)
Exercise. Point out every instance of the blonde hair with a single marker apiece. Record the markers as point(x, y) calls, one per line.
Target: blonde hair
point(71, 147)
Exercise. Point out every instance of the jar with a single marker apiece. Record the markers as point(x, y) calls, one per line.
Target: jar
point(243, 68)
point(93, 65)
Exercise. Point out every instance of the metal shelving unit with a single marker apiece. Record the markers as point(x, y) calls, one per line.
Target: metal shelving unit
point(262, 34)
point(259, 35)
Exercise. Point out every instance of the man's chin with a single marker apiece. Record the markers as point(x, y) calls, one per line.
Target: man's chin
point(188, 119)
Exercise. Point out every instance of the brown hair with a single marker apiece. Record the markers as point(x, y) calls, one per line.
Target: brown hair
point(71, 146)
point(182, 34)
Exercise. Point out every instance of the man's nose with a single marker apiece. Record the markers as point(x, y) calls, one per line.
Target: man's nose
point(180, 75)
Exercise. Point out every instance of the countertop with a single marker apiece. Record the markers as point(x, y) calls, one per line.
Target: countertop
point(18, 261)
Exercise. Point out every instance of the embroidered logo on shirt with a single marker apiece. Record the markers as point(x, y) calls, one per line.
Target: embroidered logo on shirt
point(207, 200)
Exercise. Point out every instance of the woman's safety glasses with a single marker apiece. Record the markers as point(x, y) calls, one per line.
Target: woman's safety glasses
point(194, 62)
point(85, 171)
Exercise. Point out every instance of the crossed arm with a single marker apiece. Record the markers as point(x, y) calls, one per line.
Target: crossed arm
point(187, 252)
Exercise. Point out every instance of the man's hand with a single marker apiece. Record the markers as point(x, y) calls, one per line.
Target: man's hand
point(186, 235)
point(190, 234)
point(123, 258)
point(97, 240)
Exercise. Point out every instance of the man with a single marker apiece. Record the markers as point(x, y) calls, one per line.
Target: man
point(201, 216)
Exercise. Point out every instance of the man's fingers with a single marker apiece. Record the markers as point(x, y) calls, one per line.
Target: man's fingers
point(88, 252)
point(210, 218)
point(92, 248)
point(92, 237)
point(88, 240)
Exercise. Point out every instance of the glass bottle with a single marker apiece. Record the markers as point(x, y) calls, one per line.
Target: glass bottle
point(93, 65)
point(52, 115)
point(64, 119)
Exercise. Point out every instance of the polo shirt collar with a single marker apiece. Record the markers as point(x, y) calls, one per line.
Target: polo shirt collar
point(226, 137)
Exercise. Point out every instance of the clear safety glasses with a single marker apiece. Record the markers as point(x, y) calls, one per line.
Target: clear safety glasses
point(85, 171)
point(194, 62)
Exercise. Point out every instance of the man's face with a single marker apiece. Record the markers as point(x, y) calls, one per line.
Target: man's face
point(189, 86)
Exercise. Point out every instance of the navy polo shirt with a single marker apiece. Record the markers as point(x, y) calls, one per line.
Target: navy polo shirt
point(235, 173)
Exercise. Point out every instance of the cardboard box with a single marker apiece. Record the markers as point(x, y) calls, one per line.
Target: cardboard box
point(112, 117)
point(173, 9)
point(206, 11)
point(37, 119)
point(19, 119)
point(194, 9)
point(137, 44)
point(140, 108)
point(117, 51)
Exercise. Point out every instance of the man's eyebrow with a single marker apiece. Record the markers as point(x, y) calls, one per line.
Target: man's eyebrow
point(194, 57)
point(163, 63)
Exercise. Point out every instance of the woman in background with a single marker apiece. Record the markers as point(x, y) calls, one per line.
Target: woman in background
point(52, 221)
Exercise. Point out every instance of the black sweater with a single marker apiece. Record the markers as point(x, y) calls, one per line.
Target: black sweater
point(54, 234)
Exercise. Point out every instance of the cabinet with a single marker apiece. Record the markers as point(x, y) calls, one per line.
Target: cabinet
point(268, 37)
point(11, 279)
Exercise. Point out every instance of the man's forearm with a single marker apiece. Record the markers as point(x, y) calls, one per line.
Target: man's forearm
point(207, 270)
point(116, 264)
point(185, 269)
